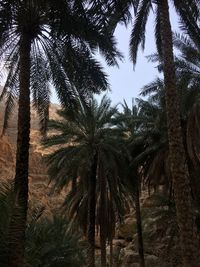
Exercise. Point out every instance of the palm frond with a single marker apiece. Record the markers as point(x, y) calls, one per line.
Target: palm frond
point(138, 31)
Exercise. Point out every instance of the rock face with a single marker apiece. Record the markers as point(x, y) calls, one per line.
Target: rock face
point(39, 195)
point(6, 159)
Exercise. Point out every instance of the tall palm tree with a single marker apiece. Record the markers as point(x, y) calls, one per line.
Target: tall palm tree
point(94, 157)
point(42, 42)
point(188, 12)
point(129, 122)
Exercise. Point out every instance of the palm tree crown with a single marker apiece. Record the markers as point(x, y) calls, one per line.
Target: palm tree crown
point(60, 54)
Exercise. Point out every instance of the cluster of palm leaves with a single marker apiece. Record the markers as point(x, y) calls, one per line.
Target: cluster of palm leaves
point(49, 241)
point(104, 153)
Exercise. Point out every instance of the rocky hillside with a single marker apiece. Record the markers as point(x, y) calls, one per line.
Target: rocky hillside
point(159, 234)
point(39, 189)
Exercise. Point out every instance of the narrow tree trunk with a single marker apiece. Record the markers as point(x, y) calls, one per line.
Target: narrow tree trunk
point(103, 245)
point(91, 215)
point(188, 234)
point(103, 219)
point(112, 220)
point(111, 253)
point(74, 184)
point(18, 220)
point(139, 228)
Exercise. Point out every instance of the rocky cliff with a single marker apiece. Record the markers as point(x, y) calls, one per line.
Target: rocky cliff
point(38, 178)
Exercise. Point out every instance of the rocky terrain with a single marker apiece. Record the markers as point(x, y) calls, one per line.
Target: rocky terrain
point(39, 183)
point(159, 234)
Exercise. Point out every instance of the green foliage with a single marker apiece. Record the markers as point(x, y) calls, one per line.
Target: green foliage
point(6, 207)
point(118, 11)
point(49, 241)
point(81, 135)
point(64, 37)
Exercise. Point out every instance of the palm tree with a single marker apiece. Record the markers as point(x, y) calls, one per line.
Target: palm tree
point(42, 42)
point(188, 12)
point(129, 122)
point(94, 157)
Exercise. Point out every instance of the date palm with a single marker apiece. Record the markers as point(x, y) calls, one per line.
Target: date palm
point(43, 42)
point(129, 122)
point(93, 157)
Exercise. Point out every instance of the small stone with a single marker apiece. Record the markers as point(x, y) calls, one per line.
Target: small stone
point(151, 260)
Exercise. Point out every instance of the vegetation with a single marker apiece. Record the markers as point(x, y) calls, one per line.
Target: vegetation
point(39, 46)
point(49, 241)
point(105, 158)
point(92, 157)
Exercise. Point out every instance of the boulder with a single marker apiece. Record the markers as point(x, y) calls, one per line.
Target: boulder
point(127, 229)
point(151, 260)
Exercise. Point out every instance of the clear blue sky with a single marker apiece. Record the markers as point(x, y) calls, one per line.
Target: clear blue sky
point(125, 82)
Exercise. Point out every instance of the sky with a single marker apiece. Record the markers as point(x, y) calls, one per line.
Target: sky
point(125, 82)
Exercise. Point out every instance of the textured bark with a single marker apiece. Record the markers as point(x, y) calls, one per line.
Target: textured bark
point(18, 221)
point(91, 215)
point(103, 225)
point(139, 228)
point(188, 234)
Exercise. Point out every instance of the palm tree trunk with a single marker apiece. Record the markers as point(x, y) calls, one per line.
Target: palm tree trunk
point(103, 220)
point(188, 234)
point(139, 228)
point(103, 245)
point(92, 214)
point(74, 184)
point(112, 232)
point(111, 253)
point(18, 223)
